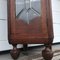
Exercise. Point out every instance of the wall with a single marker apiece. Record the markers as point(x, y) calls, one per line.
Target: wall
point(56, 19)
point(4, 45)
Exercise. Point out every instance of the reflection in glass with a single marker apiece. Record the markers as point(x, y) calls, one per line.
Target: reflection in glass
point(28, 9)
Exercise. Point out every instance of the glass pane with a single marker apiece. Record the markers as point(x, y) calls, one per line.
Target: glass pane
point(27, 10)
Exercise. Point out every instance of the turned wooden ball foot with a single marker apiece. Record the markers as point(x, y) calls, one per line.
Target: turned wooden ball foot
point(47, 54)
point(15, 53)
point(25, 47)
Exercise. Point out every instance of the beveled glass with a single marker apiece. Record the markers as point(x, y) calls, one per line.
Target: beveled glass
point(27, 10)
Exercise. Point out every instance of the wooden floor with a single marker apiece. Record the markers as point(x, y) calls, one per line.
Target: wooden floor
point(33, 54)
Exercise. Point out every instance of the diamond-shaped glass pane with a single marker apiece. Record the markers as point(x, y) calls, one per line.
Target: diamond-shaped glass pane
point(27, 10)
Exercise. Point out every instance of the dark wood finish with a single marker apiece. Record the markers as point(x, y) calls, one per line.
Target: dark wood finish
point(25, 47)
point(47, 52)
point(15, 52)
point(39, 30)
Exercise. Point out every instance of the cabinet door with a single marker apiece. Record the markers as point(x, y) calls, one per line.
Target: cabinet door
point(28, 18)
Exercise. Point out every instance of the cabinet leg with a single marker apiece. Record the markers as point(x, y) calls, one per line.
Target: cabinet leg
point(15, 52)
point(47, 52)
point(25, 47)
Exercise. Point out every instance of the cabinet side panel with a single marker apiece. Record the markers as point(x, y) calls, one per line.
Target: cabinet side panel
point(49, 19)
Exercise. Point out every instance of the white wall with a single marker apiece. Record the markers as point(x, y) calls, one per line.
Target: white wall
point(4, 45)
point(56, 19)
